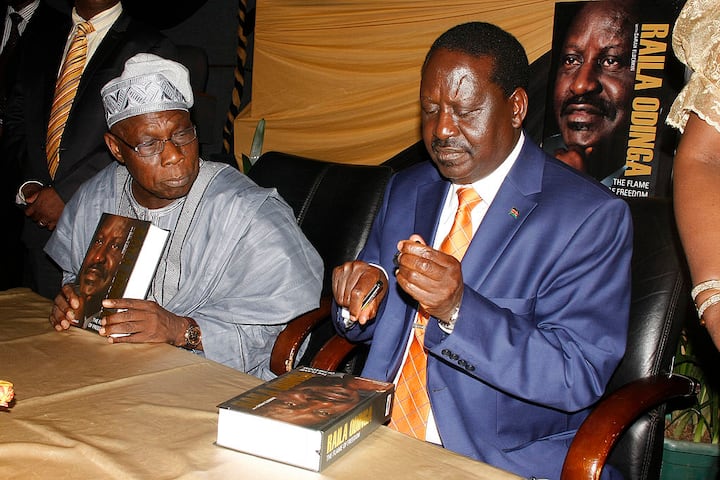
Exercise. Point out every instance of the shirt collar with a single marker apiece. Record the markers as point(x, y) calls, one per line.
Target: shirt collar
point(103, 20)
point(26, 12)
point(487, 187)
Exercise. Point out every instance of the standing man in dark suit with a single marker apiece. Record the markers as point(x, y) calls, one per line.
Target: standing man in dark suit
point(48, 184)
point(522, 296)
point(15, 20)
point(19, 19)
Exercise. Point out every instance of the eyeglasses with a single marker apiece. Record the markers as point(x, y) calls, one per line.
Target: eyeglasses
point(156, 146)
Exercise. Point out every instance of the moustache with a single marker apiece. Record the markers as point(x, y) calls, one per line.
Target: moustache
point(98, 267)
point(604, 108)
point(447, 143)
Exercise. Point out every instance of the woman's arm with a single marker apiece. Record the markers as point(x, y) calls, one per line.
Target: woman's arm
point(696, 184)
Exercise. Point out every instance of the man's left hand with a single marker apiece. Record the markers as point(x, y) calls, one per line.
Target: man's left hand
point(431, 277)
point(144, 320)
point(45, 207)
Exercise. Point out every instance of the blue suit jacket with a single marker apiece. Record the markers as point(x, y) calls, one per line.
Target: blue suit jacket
point(543, 320)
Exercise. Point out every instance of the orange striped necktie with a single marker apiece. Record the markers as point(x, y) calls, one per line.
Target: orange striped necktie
point(65, 90)
point(412, 405)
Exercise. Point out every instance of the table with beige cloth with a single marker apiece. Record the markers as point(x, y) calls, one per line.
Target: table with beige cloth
point(88, 409)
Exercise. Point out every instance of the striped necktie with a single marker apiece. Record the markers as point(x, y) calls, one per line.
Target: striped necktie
point(412, 405)
point(65, 90)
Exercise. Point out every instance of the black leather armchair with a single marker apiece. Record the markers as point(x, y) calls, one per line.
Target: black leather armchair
point(335, 205)
point(626, 428)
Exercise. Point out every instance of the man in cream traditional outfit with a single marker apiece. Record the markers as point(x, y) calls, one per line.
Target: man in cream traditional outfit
point(236, 268)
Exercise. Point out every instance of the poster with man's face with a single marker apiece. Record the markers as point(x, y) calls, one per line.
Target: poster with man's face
point(613, 77)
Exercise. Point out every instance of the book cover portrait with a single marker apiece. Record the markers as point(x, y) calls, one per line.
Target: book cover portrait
point(102, 260)
point(120, 262)
point(317, 401)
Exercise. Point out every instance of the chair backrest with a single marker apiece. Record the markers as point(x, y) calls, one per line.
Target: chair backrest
point(660, 301)
point(334, 203)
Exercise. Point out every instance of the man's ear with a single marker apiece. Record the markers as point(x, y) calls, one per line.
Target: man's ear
point(114, 147)
point(519, 102)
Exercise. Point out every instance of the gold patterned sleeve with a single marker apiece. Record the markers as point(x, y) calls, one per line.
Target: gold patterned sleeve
point(696, 42)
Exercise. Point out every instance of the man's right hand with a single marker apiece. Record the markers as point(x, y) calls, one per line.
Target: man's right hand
point(65, 309)
point(351, 283)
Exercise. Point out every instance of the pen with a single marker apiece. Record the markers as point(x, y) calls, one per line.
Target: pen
point(374, 291)
point(372, 294)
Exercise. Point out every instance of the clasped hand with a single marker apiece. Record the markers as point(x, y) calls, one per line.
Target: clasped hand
point(431, 277)
point(144, 320)
point(44, 206)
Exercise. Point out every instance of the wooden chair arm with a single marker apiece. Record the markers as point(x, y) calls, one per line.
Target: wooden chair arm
point(616, 412)
point(285, 349)
point(332, 353)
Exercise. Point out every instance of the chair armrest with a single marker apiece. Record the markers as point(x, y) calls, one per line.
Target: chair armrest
point(335, 350)
point(288, 342)
point(612, 415)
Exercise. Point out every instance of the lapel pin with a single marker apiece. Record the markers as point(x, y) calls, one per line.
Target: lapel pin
point(514, 213)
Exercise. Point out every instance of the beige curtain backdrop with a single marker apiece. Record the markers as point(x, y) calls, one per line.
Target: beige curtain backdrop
point(338, 80)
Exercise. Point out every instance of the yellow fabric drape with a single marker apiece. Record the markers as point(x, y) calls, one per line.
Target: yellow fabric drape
point(339, 81)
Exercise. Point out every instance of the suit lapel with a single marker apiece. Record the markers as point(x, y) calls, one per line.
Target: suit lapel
point(431, 197)
point(512, 205)
point(2, 25)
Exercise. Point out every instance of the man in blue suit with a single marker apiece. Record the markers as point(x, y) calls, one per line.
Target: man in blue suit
point(525, 331)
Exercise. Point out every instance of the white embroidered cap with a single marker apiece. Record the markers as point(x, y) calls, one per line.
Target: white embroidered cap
point(148, 83)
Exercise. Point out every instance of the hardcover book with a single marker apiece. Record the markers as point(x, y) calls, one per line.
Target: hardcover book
point(120, 263)
point(307, 417)
point(612, 79)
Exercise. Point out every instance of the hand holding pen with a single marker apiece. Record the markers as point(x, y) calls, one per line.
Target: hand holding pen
point(372, 294)
point(358, 288)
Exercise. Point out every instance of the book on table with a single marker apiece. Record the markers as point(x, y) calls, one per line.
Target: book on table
point(120, 262)
point(307, 417)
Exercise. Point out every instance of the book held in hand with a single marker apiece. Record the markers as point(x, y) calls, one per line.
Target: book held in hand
point(306, 417)
point(120, 263)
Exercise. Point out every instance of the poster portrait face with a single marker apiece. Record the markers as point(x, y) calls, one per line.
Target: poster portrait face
point(103, 256)
point(594, 80)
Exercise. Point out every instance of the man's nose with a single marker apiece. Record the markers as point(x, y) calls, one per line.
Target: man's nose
point(171, 154)
point(586, 79)
point(446, 125)
point(101, 253)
